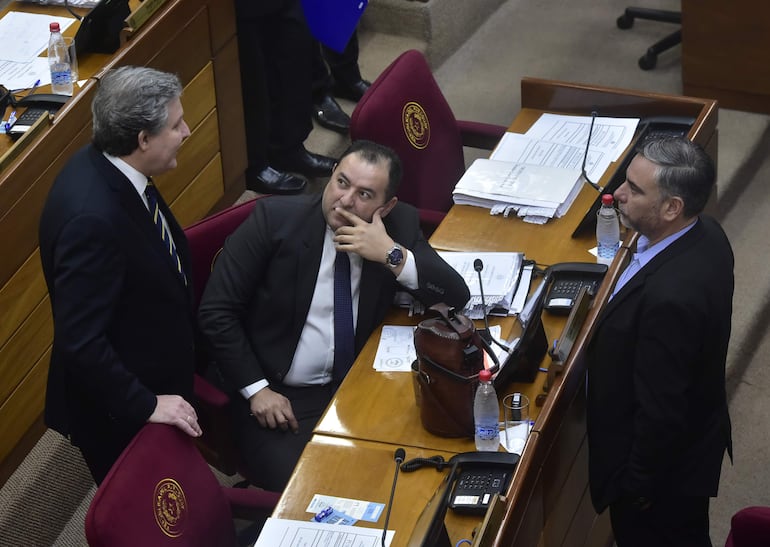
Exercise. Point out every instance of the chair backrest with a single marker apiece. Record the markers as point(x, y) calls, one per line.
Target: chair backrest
point(750, 527)
point(405, 110)
point(206, 238)
point(160, 492)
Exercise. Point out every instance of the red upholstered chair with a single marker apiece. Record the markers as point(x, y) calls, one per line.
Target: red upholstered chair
point(206, 238)
point(405, 110)
point(750, 527)
point(162, 492)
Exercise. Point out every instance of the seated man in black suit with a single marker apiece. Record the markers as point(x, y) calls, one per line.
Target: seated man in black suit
point(658, 424)
point(273, 303)
point(124, 328)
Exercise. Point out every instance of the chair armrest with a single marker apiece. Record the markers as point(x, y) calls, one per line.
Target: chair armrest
point(251, 503)
point(479, 134)
point(216, 444)
point(209, 395)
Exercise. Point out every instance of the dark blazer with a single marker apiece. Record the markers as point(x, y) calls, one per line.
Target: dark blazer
point(258, 296)
point(657, 407)
point(123, 320)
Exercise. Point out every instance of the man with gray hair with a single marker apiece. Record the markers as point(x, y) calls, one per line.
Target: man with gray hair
point(115, 262)
point(658, 423)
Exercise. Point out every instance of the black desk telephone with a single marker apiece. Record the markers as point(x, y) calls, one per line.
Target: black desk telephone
point(469, 486)
point(36, 105)
point(566, 280)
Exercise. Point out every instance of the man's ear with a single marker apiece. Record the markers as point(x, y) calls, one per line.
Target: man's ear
point(673, 208)
point(143, 140)
point(388, 207)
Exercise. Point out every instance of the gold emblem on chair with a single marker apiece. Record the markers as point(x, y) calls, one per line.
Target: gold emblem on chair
point(416, 126)
point(170, 507)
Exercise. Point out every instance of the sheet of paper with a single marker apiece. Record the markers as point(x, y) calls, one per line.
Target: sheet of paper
point(24, 75)
point(358, 509)
point(610, 134)
point(519, 148)
point(25, 35)
point(72, 3)
point(395, 352)
point(300, 533)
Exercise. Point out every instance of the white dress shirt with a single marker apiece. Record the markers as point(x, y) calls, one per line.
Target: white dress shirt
point(314, 357)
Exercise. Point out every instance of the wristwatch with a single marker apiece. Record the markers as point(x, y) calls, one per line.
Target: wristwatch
point(395, 256)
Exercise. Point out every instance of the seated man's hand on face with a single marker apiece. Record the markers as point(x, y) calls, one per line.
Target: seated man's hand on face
point(370, 240)
point(273, 410)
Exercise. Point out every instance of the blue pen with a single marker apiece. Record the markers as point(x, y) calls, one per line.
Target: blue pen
point(33, 88)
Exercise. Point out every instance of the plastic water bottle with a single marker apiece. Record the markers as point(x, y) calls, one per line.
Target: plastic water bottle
point(59, 62)
point(486, 413)
point(607, 231)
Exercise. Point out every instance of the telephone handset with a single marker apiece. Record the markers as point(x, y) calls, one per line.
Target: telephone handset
point(49, 101)
point(566, 279)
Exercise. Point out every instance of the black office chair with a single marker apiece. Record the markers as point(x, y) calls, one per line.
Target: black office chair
point(650, 58)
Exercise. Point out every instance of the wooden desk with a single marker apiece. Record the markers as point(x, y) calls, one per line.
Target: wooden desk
point(192, 38)
point(548, 502)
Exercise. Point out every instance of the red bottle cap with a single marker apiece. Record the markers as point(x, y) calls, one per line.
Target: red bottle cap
point(54, 27)
point(485, 375)
point(607, 199)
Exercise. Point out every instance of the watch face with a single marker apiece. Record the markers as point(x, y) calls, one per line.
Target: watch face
point(395, 256)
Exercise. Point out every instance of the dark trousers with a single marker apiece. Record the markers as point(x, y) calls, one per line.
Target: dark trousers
point(270, 455)
point(330, 66)
point(676, 521)
point(101, 441)
point(276, 55)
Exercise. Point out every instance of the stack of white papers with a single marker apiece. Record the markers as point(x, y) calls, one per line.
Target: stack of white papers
point(538, 175)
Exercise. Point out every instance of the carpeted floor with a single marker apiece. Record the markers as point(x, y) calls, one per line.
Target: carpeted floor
point(575, 40)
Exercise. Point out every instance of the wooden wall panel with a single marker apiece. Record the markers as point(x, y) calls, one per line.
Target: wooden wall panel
point(20, 296)
point(20, 411)
point(201, 195)
point(25, 348)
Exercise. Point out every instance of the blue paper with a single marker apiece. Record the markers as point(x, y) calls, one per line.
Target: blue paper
point(333, 22)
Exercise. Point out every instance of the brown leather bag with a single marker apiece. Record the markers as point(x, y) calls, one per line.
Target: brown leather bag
point(449, 358)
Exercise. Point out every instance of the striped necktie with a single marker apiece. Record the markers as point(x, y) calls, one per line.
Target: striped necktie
point(344, 334)
point(151, 193)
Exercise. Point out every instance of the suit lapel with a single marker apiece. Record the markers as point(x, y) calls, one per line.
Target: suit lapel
point(309, 258)
point(136, 210)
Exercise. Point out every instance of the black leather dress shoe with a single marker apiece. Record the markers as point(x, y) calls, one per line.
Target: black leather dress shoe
point(304, 162)
point(270, 181)
point(330, 115)
point(353, 91)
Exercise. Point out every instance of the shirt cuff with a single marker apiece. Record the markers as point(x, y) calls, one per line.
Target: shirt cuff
point(408, 275)
point(251, 389)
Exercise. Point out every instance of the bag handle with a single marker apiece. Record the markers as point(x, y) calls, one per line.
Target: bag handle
point(452, 319)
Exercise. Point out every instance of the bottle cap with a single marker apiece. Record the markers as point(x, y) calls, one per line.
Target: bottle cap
point(485, 375)
point(54, 27)
point(607, 199)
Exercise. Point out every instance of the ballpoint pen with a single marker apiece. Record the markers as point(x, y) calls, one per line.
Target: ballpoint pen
point(32, 89)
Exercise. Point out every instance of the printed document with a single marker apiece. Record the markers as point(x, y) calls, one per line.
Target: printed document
point(300, 533)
